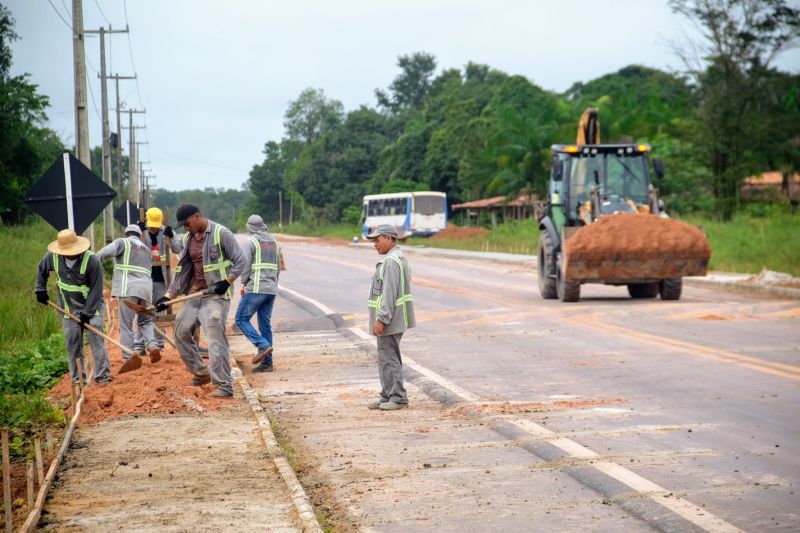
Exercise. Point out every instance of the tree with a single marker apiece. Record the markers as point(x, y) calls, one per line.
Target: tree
point(266, 181)
point(26, 148)
point(411, 88)
point(311, 115)
point(740, 38)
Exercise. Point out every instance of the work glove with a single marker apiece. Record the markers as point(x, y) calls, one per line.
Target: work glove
point(162, 304)
point(168, 233)
point(220, 287)
point(42, 297)
point(85, 317)
point(142, 226)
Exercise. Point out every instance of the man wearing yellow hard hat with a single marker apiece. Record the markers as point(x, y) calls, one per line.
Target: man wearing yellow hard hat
point(155, 235)
point(79, 285)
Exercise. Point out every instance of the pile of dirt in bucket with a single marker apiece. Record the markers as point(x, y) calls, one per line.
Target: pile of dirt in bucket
point(634, 236)
point(461, 233)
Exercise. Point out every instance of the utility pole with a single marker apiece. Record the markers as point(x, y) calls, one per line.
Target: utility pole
point(133, 173)
point(140, 176)
point(116, 78)
point(108, 212)
point(81, 110)
point(280, 209)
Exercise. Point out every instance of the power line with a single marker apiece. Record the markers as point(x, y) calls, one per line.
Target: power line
point(101, 12)
point(130, 50)
point(61, 16)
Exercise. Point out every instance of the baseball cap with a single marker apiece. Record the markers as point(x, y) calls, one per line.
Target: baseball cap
point(154, 217)
point(185, 211)
point(133, 228)
point(383, 229)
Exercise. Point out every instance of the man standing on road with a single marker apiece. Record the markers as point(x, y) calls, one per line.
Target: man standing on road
point(391, 312)
point(132, 280)
point(79, 281)
point(155, 235)
point(210, 260)
point(260, 286)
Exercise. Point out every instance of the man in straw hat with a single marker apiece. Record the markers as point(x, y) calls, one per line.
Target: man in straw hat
point(158, 237)
point(132, 281)
point(79, 282)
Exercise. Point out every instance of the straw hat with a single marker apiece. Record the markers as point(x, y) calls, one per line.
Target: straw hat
point(69, 243)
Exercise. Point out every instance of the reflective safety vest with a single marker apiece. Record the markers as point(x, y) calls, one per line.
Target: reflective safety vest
point(222, 264)
point(126, 267)
point(257, 266)
point(404, 299)
point(68, 287)
point(184, 240)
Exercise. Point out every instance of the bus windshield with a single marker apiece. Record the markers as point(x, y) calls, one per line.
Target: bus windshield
point(428, 205)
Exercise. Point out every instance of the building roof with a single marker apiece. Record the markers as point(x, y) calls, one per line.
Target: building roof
point(496, 201)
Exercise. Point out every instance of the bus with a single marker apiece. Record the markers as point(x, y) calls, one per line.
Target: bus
point(411, 213)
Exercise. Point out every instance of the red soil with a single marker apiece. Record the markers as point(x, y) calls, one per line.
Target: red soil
point(461, 233)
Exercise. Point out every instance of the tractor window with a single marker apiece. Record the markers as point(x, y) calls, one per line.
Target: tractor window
point(582, 176)
point(626, 177)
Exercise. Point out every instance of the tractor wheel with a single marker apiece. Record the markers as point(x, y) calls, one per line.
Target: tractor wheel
point(547, 284)
point(643, 290)
point(670, 289)
point(569, 290)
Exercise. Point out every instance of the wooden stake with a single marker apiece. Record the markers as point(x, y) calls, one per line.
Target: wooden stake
point(7, 483)
point(48, 444)
point(74, 395)
point(30, 485)
point(37, 446)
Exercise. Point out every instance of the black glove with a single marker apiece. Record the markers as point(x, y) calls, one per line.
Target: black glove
point(142, 226)
point(42, 297)
point(162, 304)
point(85, 317)
point(220, 287)
point(168, 233)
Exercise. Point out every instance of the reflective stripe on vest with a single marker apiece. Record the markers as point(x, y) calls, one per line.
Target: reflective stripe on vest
point(257, 265)
point(222, 264)
point(403, 300)
point(68, 287)
point(126, 267)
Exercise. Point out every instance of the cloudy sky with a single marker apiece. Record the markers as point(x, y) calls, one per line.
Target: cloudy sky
point(216, 76)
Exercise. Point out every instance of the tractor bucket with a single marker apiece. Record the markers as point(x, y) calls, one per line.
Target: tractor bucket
point(634, 248)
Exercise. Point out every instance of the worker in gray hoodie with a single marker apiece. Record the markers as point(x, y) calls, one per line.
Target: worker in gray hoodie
point(210, 261)
point(132, 267)
point(260, 286)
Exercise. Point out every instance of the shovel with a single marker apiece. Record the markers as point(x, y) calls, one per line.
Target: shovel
point(131, 364)
point(150, 309)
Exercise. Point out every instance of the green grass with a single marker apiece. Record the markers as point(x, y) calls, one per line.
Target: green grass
point(514, 237)
point(22, 318)
point(333, 231)
point(749, 243)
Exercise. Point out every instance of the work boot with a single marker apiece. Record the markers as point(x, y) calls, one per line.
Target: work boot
point(221, 394)
point(374, 404)
point(103, 381)
point(155, 355)
point(264, 368)
point(201, 380)
point(392, 406)
point(261, 355)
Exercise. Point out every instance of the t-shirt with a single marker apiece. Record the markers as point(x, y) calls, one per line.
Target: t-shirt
point(158, 272)
point(196, 244)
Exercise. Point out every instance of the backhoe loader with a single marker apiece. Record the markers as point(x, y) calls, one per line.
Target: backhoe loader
point(603, 222)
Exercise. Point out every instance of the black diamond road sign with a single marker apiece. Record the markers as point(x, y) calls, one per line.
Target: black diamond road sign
point(129, 217)
point(69, 195)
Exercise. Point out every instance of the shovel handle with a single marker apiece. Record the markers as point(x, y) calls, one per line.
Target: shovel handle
point(192, 296)
point(91, 328)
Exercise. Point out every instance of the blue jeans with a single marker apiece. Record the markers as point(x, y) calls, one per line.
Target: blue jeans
point(250, 304)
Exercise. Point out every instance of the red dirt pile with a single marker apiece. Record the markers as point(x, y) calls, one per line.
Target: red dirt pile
point(461, 233)
point(164, 387)
point(633, 236)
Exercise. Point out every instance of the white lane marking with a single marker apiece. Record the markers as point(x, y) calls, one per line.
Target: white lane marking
point(319, 305)
point(609, 410)
point(562, 397)
point(683, 508)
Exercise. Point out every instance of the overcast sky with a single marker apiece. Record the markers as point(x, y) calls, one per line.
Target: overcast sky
point(216, 76)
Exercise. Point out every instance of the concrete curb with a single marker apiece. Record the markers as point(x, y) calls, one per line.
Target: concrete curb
point(298, 494)
point(783, 292)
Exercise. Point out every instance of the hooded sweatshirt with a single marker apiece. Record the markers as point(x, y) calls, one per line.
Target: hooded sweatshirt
point(263, 259)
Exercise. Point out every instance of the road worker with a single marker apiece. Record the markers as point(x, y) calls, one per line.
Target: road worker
point(260, 286)
point(156, 236)
point(211, 260)
point(391, 312)
point(132, 260)
point(79, 283)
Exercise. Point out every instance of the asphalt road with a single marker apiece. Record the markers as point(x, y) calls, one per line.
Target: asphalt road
point(682, 414)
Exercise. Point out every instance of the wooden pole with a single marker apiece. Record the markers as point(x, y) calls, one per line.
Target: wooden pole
point(7, 483)
point(74, 397)
point(48, 444)
point(31, 484)
point(168, 266)
point(37, 447)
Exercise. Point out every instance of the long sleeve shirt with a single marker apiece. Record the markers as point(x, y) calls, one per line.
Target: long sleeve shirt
point(86, 272)
point(132, 267)
point(390, 294)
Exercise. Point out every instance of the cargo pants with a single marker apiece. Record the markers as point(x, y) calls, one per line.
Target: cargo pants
point(74, 340)
point(139, 340)
point(390, 369)
point(159, 290)
point(210, 313)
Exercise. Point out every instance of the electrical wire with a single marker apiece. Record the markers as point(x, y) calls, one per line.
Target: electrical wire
point(69, 25)
point(130, 50)
point(101, 12)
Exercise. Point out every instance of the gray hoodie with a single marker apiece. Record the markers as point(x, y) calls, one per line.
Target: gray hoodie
point(263, 259)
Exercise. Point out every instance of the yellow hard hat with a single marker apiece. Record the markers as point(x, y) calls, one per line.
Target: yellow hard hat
point(154, 217)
